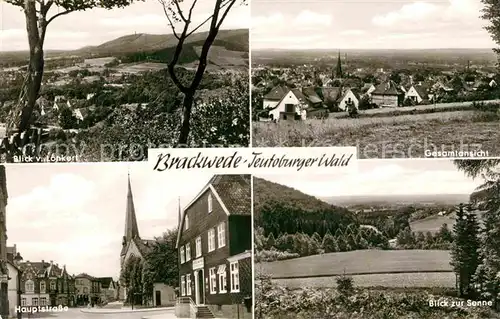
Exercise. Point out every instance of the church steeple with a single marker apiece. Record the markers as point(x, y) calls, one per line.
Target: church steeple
point(131, 229)
point(338, 70)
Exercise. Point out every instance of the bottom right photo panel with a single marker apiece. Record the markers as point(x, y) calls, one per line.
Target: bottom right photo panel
point(395, 239)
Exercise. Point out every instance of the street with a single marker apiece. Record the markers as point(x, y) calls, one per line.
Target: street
point(75, 313)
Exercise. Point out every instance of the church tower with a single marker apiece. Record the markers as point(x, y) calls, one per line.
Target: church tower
point(131, 232)
point(338, 70)
point(131, 228)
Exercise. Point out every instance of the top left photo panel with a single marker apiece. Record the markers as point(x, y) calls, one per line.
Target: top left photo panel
point(105, 80)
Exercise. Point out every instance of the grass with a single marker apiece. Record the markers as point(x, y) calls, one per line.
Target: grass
point(360, 262)
point(412, 110)
point(432, 223)
point(400, 136)
point(414, 280)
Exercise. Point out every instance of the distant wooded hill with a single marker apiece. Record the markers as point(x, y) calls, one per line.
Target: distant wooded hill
point(230, 48)
point(282, 209)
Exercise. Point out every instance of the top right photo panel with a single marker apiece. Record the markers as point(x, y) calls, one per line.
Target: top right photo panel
point(396, 78)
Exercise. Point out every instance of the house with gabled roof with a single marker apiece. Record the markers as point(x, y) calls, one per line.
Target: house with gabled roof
point(388, 94)
point(312, 97)
point(214, 244)
point(45, 284)
point(350, 97)
point(293, 105)
point(274, 96)
point(418, 94)
point(368, 88)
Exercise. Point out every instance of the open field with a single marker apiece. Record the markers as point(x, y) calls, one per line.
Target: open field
point(99, 61)
point(420, 109)
point(432, 223)
point(414, 280)
point(142, 67)
point(401, 136)
point(360, 262)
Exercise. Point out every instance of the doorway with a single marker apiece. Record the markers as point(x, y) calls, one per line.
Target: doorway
point(199, 287)
point(158, 298)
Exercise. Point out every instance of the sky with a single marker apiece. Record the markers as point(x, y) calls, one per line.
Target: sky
point(75, 214)
point(384, 177)
point(368, 24)
point(94, 27)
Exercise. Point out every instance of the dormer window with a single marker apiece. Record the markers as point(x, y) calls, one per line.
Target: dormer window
point(42, 287)
point(186, 222)
point(209, 203)
point(29, 286)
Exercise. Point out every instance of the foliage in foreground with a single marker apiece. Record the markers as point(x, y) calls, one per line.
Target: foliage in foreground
point(275, 302)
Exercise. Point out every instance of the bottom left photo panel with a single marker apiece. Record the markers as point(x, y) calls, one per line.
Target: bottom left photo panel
point(109, 240)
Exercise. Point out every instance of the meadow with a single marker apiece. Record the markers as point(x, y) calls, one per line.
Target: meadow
point(399, 136)
point(360, 262)
point(403, 280)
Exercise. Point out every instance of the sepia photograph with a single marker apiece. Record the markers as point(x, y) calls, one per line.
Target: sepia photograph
point(397, 239)
point(398, 79)
point(108, 241)
point(106, 80)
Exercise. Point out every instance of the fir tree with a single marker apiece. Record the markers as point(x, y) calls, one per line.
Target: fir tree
point(486, 276)
point(342, 244)
point(444, 234)
point(329, 244)
point(406, 238)
point(463, 250)
point(271, 241)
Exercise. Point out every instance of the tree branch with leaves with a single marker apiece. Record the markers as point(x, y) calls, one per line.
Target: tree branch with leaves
point(491, 13)
point(180, 19)
point(39, 14)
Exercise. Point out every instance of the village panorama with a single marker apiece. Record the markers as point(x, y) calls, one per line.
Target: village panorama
point(139, 87)
point(391, 84)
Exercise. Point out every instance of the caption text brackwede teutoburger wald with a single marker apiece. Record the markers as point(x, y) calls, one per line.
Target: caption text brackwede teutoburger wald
point(167, 161)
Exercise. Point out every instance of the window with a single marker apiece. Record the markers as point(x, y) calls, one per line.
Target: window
point(222, 278)
point(188, 284)
point(235, 277)
point(198, 247)
point(221, 233)
point(59, 286)
point(210, 203)
point(183, 285)
point(289, 108)
point(186, 222)
point(85, 290)
point(211, 239)
point(52, 285)
point(183, 257)
point(43, 301)
point(42, 287)
point(188, 252)
point(29, 286)
point(23, 302)
point(213, 281)
point(34, 301)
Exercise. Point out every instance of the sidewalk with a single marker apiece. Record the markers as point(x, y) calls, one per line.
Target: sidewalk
point(127, 310)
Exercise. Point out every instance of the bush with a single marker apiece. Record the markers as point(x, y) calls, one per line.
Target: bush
point(345, 285)
point(273, 255)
